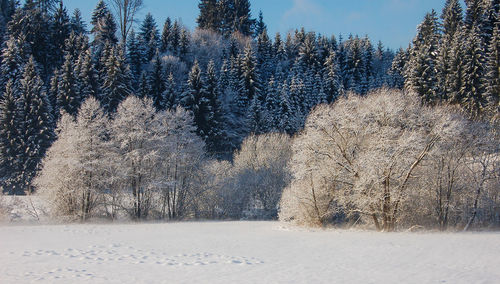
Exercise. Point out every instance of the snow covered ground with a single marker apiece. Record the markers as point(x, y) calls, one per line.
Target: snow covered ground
point(241, 252)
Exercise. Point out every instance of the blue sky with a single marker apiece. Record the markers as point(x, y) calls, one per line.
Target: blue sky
point(393, 22)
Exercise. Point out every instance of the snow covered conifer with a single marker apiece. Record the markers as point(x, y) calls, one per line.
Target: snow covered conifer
point(36, 122)
point(9, 138)
point(157, 83)
point(117, 81)
point(80, 158)
point(331, 80)
point(68, 91)
point(170, 93)
point(472, 89)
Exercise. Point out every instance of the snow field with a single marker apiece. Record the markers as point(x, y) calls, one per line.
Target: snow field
point(241, 252)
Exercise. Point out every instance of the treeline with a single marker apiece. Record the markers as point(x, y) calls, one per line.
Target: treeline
point(142, 164)
point(232, 77)
point(456, 60)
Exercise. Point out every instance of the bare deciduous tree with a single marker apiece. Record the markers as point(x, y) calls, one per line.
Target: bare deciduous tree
point(126, 11)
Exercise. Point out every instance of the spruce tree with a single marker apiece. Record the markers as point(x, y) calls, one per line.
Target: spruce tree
point(472, 89)
point(104, 26)
point(31, 27)
point(77, 24)
point(61, 29)
point(421, 74)
point(170, 93)
point(166, 36)
point(452, 24)
point(183, 44)
point(143, 88)
point(260, 26)
point(157, 83)
point(14, 55)
point(68, 96)
point(53, 93)
point(36, 128)
point(87, 76)
point(209, 15)
point(117, 82)
point(193, 94)
point(213, 119)
point(249, 82)
point(492, 86)
point(149, 36)
point(397, 70)
point(10, 139)
point(331, 78)
point(134, 55)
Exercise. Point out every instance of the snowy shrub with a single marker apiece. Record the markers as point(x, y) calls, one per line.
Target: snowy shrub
point(361, 156)
point(72, 177)
point(259, 174)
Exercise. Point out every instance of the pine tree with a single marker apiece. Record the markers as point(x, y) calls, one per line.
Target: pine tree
point(36, 131)
point(149, 36)
point(492, 86)
point(104, 26)
point(87, 76)
point(260, 26)
point(143, 89)
point(331, 78)
point(452, 24)
point(397, 70)
point(209, 15)
point(193, 94)
point(134, 56)
point(213, 118)
point(77, 24)
point(421, 74)
point(249, 82)
point(14, 55)
point(9, 138)
point(61, 29)
point(157, 83)
point(117, 83)
point(183, 44)
point(68, 97)
point(166, 36)
point(472, 89)
point(170, 93)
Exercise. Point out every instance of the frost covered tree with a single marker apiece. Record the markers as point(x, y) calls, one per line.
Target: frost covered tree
point(259, 175)
point(133, 134)
point(73, 177)
point(181, 155)
point(359, 156)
